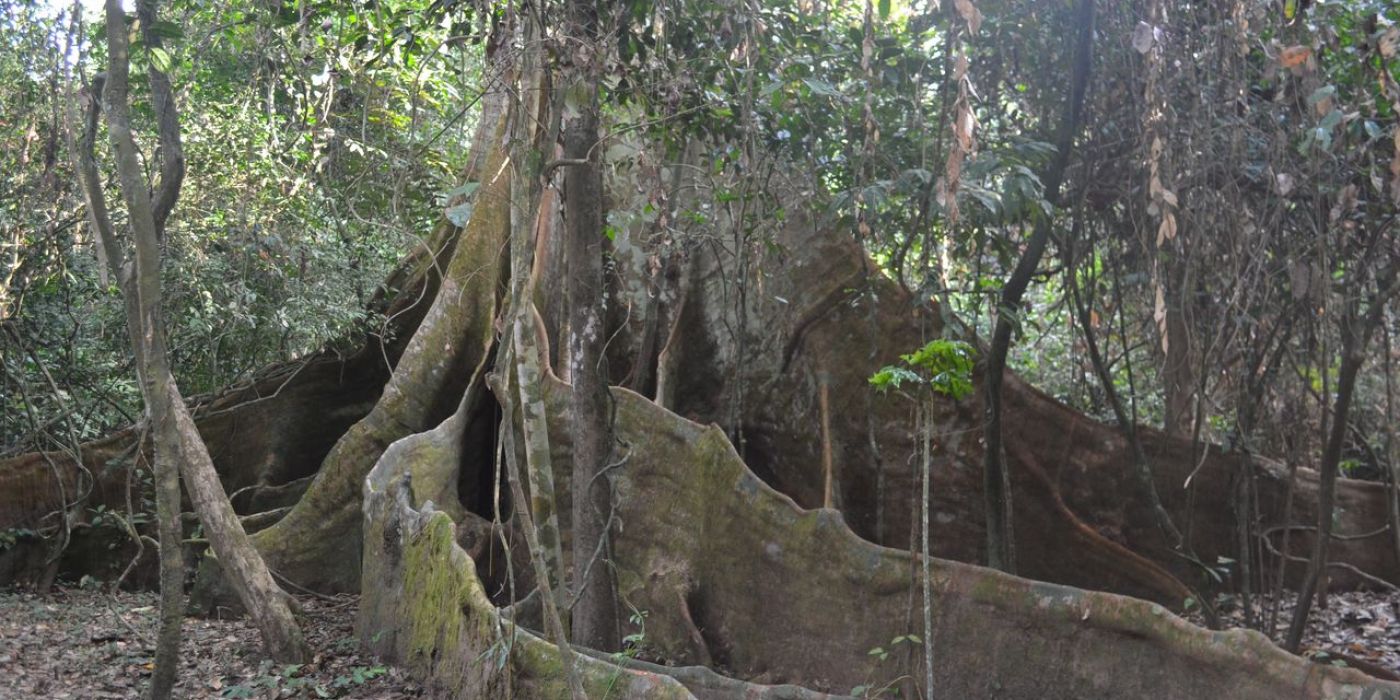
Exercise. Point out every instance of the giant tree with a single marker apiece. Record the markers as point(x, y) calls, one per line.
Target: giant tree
point(733, 288)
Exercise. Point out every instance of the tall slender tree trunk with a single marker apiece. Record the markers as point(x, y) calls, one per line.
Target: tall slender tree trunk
point(520, 352)
point(595, 606)
point(1356, 334)
point(1179, 381)
point(996, 479)
point(177, 442)
point(165, 470)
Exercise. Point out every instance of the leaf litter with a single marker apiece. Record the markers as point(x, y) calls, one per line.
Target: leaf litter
point(81, 643)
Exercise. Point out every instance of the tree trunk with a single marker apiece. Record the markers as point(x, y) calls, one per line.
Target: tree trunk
point(177, 441)
point(595, 605)
point(165, 466)
point(729, 568)
point(1178, 375)
point(522, 355)
point(1356, 332)
point(996, 477)
point(316, 545)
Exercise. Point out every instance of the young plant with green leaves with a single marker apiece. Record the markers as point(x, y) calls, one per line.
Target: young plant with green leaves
point(942, 367)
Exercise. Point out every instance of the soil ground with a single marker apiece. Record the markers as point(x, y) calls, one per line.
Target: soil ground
point(1363, 626)
point(76, 643)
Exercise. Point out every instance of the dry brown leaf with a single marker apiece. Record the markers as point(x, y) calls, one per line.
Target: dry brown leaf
point(1159, 314)
point(970, 14)
point(1166, 231)
point(1389, 42)
point(966, 126)
point(1294, 56)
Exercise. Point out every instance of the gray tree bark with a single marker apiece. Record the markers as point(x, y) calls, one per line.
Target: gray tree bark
point(595, 604)
point(178, 445)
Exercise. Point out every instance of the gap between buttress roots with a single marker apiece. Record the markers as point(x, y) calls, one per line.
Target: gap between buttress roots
point(487, 532)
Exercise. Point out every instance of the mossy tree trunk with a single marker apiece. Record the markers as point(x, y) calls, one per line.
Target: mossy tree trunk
point(693, 540)
point(789, 601)
point(316, 545)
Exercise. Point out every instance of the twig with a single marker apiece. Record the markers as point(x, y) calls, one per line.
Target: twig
point(1332, 564)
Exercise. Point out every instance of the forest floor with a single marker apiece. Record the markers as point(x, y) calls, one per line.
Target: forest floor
point(76, 643)
point(1357, 628)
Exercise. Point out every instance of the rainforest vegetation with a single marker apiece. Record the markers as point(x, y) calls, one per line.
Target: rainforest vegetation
point(707, 348)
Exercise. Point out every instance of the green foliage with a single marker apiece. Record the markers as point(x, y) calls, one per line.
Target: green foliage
point(10, 536)
point(321, 143)
point(286, 681)
point(944, 366)
point(882, 654)
point(634, 642)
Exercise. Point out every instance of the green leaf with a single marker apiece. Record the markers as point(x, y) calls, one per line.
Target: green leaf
point(160, 58)
point(884, 9)
point(1330, 121)
point(1321, 94)
point(892, 378)
point(465, 190)
point(949, 364)
point(167, 30)
point(821, 87)
point(460, 214)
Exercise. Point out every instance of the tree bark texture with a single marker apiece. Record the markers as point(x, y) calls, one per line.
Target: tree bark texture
point(177, 442)
point(450, 342)
point(595, 605)
point(730, 568)
point(595, 612)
